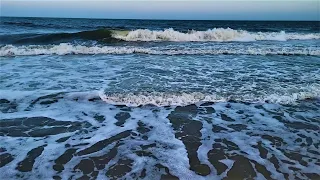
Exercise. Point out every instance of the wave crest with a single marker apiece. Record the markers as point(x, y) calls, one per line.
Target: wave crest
point(216, 34)
point(158, 99)
point(183, 99)
point(161, 99)
point(110, 36)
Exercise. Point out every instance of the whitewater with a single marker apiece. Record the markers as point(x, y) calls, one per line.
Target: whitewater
point(215, 34)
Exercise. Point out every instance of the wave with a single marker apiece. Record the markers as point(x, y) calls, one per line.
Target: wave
point(183, 99)
point(216, 34)
point(159, 99)
point(187, 98)
point(116, 35)
point(69, 49)
point(19, 23)
point(100, 35)
point(60, 26)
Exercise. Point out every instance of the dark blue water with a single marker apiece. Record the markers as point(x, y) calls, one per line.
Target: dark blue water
point(180, 25)
point(30, 27)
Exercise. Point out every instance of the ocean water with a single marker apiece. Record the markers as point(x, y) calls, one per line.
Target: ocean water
point(153, 99)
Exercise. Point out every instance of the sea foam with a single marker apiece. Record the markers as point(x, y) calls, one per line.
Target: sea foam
point(183, 99)
point(67, 49)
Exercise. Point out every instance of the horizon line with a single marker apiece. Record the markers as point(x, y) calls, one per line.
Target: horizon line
point(155, 19)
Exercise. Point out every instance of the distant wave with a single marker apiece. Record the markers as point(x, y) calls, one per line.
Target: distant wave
point(69, 49)
point(36, 25)
point(145, 35)
point(59, 26)
point(18, 23)
point(100, 35)
point(216, 34)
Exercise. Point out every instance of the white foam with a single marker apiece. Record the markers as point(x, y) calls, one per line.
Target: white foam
point(158, 99)
point(183, 99)
point(216, 34)
point(164, 98)
point(169, 151)
point(69, 49)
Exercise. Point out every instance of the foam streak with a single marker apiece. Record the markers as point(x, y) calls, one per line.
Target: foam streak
point(67, 49)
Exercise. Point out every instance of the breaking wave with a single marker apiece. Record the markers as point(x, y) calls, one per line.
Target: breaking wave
point(183, 99)
point(216, 34)
point(69, 49)
point(159, 99)
point(186, 98)
point(116, 35)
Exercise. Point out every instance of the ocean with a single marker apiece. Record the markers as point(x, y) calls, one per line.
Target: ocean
point(159, 99)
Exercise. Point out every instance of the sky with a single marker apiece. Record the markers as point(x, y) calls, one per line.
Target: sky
point(155, 9)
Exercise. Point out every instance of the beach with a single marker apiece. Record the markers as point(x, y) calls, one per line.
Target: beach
point(157, 99)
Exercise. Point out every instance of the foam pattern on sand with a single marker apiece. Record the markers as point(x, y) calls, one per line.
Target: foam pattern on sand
point(56, 135)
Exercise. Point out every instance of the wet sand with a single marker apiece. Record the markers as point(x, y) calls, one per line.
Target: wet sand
point(229, 140)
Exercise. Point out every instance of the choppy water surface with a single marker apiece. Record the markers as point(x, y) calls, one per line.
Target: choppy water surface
point(122, 99)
